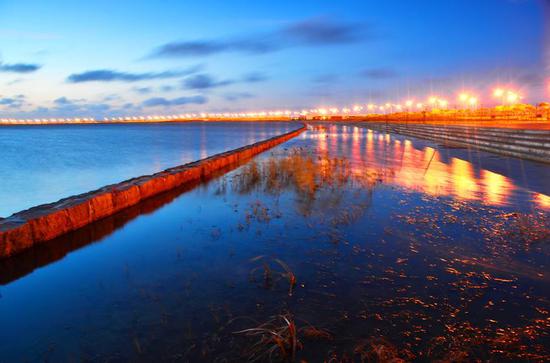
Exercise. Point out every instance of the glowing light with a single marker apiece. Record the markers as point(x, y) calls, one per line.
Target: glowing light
point(463, 97)
point(498, 92)
point(409, 103)
point(512, 97)
point(473, 101)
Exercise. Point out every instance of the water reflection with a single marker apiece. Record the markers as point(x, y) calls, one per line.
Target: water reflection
point(20, 265)
point(42, 164)
point(424, 170)
point(542, 200)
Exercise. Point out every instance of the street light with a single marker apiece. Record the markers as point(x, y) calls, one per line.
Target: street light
point(506, 95)
point(498, 92)
point(512, 97)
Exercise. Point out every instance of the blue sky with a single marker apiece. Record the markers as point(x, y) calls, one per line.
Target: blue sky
point(96, 58)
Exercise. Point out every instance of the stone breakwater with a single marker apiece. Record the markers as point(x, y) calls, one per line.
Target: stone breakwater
point(46, 222)
point(530, 144)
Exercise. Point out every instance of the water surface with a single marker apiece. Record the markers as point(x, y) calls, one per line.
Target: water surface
point(42, 164)
point(370, 246)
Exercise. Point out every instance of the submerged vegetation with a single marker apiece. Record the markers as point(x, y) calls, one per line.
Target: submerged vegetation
point(425, 298)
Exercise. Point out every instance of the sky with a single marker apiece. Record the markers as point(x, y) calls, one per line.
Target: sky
point(61, 58)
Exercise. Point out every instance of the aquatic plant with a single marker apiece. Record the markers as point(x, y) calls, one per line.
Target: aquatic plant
point(269, 274)
point(274, 340)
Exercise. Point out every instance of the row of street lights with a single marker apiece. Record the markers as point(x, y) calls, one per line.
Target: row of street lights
point(465, 101)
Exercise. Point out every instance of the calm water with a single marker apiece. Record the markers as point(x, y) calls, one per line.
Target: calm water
point(42, 164)
point(373, 246)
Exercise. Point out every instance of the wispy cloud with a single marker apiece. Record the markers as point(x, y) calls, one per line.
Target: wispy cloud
point(167, 88)
point(255, 77)
point(322, 31)
point(161, 101)
point(108, 75)
point(208, 47)
point(379, 73)
point(235, 96)
point(319, 31)
point(62, 101)
point(19, 67)
point(143, 90)
point(326, 78)
point(14, 102)
point(204, 81)
point(64, 105)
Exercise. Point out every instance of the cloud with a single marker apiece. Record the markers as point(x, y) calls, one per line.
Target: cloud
point(194, 48)
point(111, 97)
point(204, 81)
point(19, 67)
point(237, 96)
point(167, 88)
point(326, 78)
point(379, 73)
point(107, 75)
point(161, 101)
point(13, 102)
point(66, 106)
point(255, 77)
point(209, 47)
point(143, 90)
point(320, 31)
point(62, 101)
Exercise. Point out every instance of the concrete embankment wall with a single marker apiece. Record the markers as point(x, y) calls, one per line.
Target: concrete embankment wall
point(521, 143)
point(46, 222)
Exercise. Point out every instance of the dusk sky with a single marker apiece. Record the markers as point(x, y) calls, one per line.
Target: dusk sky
point(61, 58)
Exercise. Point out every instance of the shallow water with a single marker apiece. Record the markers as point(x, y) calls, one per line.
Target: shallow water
point(375, 246)
point(42, 164)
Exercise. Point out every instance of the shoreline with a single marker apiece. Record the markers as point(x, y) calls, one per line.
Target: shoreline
point(137, 122)
point(501, 123)
point(42, 223)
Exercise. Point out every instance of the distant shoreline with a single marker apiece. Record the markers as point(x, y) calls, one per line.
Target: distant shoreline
point(133, 122)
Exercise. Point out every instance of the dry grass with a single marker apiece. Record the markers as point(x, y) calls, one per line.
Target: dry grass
point(275, 340)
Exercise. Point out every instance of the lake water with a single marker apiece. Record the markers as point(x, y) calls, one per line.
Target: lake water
point(341, 245)
point(42, 164)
